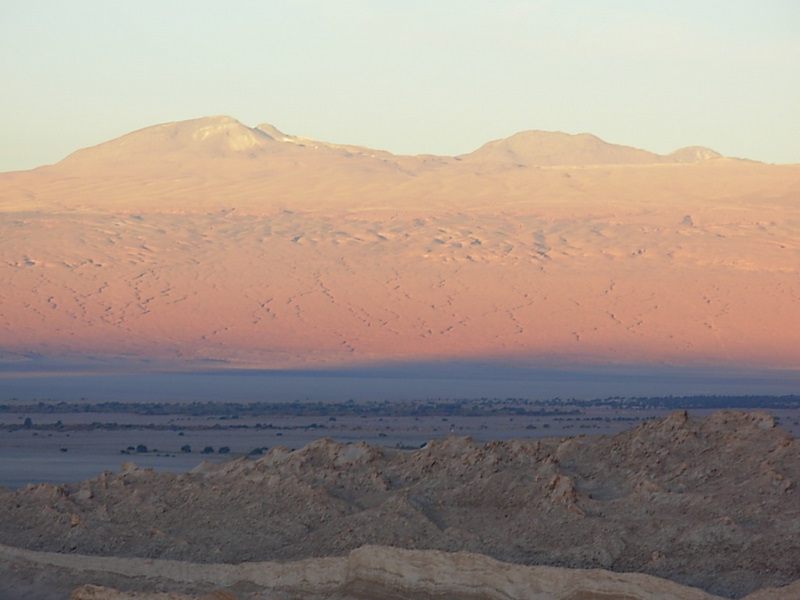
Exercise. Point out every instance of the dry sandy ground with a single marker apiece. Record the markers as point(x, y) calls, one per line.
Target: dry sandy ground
point(209, 240)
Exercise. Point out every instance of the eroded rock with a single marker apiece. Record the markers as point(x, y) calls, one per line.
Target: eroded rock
point(713, 499)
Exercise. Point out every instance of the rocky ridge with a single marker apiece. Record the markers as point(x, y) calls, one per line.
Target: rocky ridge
point(369, 572)
point(707, 502)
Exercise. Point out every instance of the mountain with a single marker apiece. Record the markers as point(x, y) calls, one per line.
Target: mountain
point(222, 136)
point(210, 240)
point(552, 148)
point(205, 137)
point(548, 148)
point(692, 154)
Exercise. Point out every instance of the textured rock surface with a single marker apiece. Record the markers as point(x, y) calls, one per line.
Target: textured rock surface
point(368, 572)
point(708, 502)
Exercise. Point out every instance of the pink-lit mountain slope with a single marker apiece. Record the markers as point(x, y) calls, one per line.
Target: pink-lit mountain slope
point(208, 239)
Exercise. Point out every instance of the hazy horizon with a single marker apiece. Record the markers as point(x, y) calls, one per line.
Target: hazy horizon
point(410, 79)
point(411, 381)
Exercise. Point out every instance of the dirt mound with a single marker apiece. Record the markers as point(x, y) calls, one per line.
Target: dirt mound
point(708, 502)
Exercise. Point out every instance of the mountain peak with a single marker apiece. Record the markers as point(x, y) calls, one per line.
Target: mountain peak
point(275, 133)
point(223, 136)
point(225, 132)
point(692, 154)
point(550, 148)
point(207, 136)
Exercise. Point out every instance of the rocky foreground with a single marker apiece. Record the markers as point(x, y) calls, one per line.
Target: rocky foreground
point(371, 572)
point(705, 502)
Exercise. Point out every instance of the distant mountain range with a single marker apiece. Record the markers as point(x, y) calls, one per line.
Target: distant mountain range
point(545, 148)
point(224, 136)
point(210, 240)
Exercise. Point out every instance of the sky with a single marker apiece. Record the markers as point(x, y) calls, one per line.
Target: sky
point(409, 77)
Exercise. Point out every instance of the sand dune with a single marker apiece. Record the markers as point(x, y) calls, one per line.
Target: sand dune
point(208, 239)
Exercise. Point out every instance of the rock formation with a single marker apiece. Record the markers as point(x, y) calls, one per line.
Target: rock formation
point(706, 502)
point(370, 572)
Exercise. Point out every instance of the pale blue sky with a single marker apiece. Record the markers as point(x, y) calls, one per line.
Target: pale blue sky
point(415, 76)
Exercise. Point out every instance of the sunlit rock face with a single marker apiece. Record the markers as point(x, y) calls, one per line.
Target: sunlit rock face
point(382, 573)
point(210, 240)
